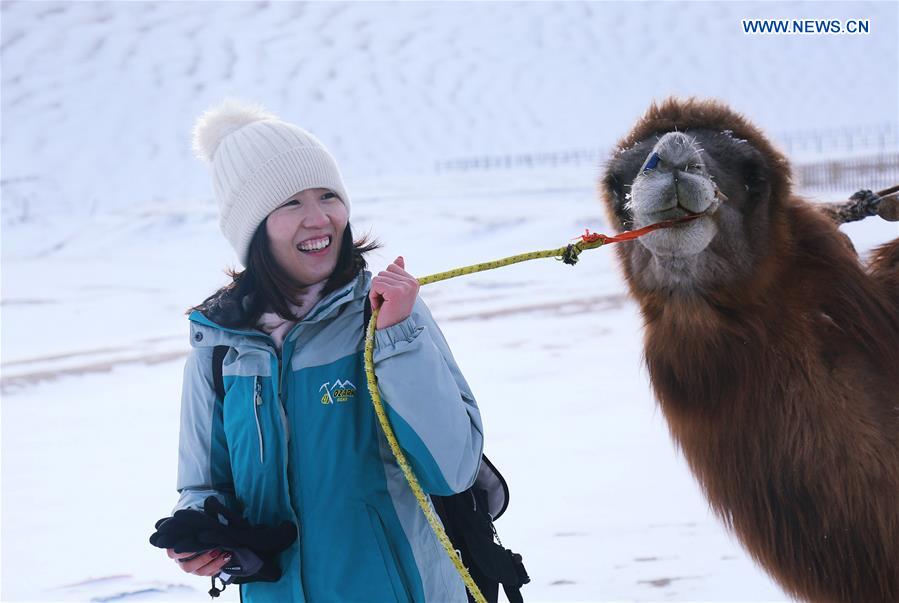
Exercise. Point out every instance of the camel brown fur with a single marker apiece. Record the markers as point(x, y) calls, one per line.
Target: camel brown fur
point(773, 352)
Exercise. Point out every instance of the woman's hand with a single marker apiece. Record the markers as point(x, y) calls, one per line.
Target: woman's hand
point(393, 291)
point(209, 563)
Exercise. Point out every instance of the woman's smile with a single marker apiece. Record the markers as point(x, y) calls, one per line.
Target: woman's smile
point(315, 246)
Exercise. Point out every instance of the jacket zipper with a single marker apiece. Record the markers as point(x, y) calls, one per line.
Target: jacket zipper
point(286, 425)
point(257, 402)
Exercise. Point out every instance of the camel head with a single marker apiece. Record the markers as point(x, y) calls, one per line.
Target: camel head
point(700, 158)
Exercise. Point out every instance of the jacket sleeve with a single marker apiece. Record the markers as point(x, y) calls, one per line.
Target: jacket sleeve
point(204, 467)
point(429, 403)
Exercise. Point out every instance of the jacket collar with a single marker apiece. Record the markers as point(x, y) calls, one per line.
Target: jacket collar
point(204, 332)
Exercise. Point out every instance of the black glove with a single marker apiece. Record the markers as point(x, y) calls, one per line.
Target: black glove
point(253, 549)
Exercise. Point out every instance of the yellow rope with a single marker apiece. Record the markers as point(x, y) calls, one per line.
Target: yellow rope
point(559, 254)
point(407, 470)
point(568, 254)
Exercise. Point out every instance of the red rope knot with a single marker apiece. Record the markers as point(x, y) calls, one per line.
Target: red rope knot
point(592, 237)
point(572, 252)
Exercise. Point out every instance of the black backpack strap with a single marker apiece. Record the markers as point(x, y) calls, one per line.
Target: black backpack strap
point(367, 314)
point(218, 357)
point(470, 529)
point(482, 546)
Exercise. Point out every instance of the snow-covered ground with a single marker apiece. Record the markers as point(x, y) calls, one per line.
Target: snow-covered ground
point(603, 507)
point(109, 235)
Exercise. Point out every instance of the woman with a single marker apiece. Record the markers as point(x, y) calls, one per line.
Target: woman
point(295, 438)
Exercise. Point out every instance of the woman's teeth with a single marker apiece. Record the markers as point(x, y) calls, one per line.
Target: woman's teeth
point(314, 244)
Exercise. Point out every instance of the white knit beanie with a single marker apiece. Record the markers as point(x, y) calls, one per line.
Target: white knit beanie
point(258, 162)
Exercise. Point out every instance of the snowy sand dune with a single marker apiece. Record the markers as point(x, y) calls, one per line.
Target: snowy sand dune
point(98, 97)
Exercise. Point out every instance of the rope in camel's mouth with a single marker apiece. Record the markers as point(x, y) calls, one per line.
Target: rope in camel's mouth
point(630, 235)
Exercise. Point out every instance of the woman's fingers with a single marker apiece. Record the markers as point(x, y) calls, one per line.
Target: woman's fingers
point(205, 564)
point(213, 567)
point(392, 280)
point(395, 275)
point(387, 292)
point(398, 267)
point(180, 556)
point(375, 298)
point(391, 289)
point(392, 277)
point(190, 564)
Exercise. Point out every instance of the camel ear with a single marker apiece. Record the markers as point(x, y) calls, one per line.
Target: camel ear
point(754, 175)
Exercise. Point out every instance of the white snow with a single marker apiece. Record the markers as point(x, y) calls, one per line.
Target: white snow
point(109, 234)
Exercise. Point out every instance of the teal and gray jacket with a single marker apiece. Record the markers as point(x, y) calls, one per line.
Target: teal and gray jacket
point(296, 439)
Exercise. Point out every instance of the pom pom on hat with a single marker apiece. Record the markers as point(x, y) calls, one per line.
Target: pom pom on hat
point(257, 161)
point(223, 119)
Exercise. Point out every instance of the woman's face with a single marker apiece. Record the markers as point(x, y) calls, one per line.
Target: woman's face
point(305, 234)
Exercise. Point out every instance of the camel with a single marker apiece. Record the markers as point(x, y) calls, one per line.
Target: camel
point(773, 352)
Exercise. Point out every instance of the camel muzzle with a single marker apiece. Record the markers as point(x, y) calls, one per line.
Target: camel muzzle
point(673, 182)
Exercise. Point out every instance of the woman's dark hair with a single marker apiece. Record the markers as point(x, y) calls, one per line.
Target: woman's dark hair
point(264, 286)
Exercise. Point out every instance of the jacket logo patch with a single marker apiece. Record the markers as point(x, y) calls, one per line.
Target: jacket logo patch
point(339, 391)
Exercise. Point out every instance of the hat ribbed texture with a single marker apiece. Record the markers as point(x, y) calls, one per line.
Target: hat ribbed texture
point(260, 164)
